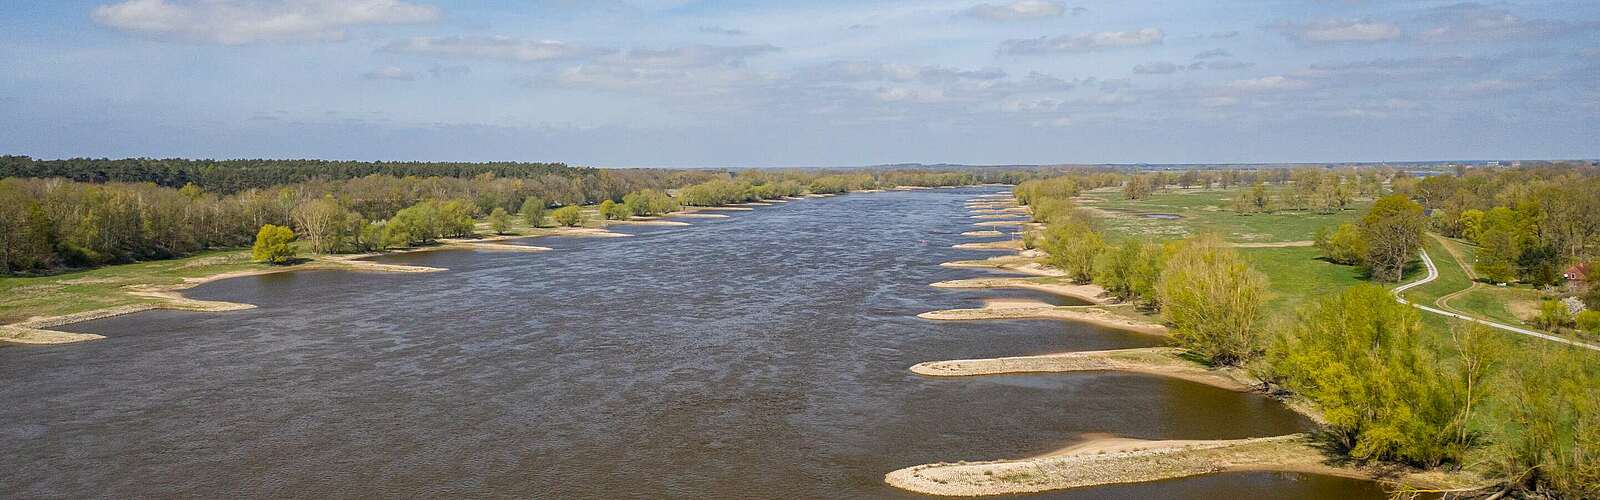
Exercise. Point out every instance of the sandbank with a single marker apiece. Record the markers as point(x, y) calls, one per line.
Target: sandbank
point(991, 245)
point(1087, 314)
point(1090, 292)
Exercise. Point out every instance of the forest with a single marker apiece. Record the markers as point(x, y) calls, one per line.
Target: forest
point(76, 213)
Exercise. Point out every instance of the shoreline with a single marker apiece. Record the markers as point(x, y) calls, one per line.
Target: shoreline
point(1096, 315)
point(1091, 293)
point(1122, 460)
point(1008, 245)
point(39, 330)
point(1158, 361)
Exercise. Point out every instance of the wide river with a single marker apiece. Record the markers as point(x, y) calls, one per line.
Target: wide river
point(761, 355)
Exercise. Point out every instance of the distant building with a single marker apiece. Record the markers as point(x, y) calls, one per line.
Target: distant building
point(1578, 272)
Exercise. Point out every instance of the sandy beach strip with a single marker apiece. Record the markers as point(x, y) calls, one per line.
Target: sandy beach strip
point(1087, 314)
point(1115, 461)
point(1089, 292)
point(983, 234)
point(728, 208)
point(1159, 361)
point(1014, 263)
point(1012, 245)
point(1000, 223)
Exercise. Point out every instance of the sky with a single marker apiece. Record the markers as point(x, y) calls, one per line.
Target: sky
point(723, 83)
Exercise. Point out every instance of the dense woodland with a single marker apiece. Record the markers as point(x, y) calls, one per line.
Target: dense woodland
point(57, 214)
point(1527, 415)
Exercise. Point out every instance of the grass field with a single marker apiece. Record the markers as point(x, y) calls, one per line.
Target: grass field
point(79, 291)
point(1206, 211)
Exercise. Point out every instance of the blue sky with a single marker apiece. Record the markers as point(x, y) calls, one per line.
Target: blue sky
point(757, 83)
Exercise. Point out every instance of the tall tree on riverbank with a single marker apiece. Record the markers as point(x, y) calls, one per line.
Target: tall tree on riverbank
point(1213, 300)
point(1393, 232)
point(1385, 394)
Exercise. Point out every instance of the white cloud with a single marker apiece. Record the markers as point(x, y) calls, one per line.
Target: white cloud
point(859, 71)
point(1213, 53)
point(494, 47)
point(1340, 31)
point(1019, 10)
point(236, 22)
point(390, 73)
point(1267, 84)
point(1083, 42)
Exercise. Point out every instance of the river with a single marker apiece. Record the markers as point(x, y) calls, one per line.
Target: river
point(761, 355)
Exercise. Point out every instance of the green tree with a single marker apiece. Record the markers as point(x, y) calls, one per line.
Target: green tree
point(1213, 300)
point(570, 216)
point(1501, 238)
point(532, 211)
point(1393, 232)
point(500, 220)
point(1073, 247)
point(274, 245)
point(650, 202)
point(1130, 271)
point(1344, 245)
point(1385, 395)
point(610, 210)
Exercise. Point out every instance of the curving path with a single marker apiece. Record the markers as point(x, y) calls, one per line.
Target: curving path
point(1433, 274)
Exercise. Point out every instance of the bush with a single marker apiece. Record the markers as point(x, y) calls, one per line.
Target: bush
point(1213, 301)
point(1589, 321)
point(570, 216)
point(1552, 315)
point(274, 245)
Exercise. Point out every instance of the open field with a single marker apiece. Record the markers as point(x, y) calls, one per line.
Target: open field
point(1205, 210)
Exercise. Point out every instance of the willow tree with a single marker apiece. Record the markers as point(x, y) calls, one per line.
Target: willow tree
point(1213, 300)
point(274, 245)
point(1385, 394)
point(570, 216)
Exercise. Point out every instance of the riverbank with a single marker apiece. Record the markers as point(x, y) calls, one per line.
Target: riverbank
point(1161, 361)
point(1090, 293)
point(1119, 460)
point(1097, 315)
point(45, 303)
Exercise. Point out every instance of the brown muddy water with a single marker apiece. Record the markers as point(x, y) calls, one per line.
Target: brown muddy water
point(763, 355)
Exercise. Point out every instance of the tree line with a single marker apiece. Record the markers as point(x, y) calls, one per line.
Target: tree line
point(1387, 391)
